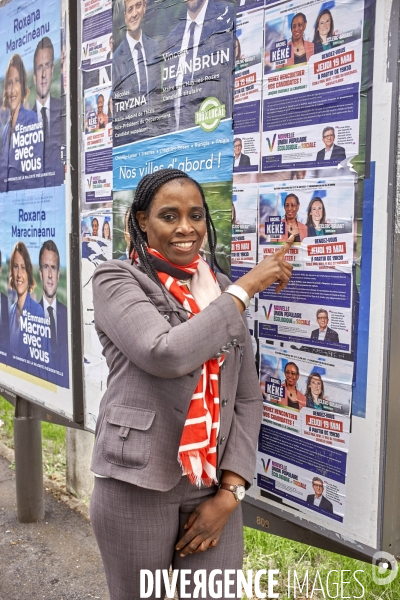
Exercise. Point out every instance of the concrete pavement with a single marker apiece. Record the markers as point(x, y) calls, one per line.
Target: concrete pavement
point(56, 559)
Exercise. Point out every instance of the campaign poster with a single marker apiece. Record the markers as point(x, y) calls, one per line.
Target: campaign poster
point(320, 214)
point(299, 474)
point(172, 91)
point(98, 144)
point(34, 259)
point(4, 309)
point(97, 239)
point(304, 436)
point(97, 39)
point(248, 88)
point(319, 326)
point(32, 115)
point(244, 224)
point(312, 75)
point(93, 7)
point(316, 380)
point(244, 5)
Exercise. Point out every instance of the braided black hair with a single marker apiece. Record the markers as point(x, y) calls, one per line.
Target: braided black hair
point(145, 192)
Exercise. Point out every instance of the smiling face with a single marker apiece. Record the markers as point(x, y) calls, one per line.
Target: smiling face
point(106, 231)
point(95, 227)
point(298, 27)
point(322, 320)
point(316, 386)
point(20, 275)
point(49, 274)
point(291, 375)
point(237, 148)
point(291, 208)
point(14, 89)
point(175, 223)
point(100, 104)
point(324, 26)
point(134, 13)
point(318, 488)
point(329, 138)
point(317, 211)
point(43, 73)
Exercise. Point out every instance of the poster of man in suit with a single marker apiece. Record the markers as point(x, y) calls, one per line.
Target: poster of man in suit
point(239, 159)
point(48, 109)
point(332, 151)
point(54, 310)
point(32, 112)
point(198, 60)
point(317, 498)
point(323, 332)
point(136, 77)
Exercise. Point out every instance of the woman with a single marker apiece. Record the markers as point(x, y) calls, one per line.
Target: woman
point(316, 216)
point(238, 51)
point(324, 29)
point(106, 231)
point(165, 328)
point(315, 393)
point(293, 397)
point(316, 219)
point(15, 93)
point(22, 281)
point(301, 50)
point(102, 118)
point(292, 225)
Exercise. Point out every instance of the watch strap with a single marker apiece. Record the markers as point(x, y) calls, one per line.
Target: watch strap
point(231, 488)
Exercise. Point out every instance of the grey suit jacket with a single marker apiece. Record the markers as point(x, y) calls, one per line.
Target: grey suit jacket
point(155, 362)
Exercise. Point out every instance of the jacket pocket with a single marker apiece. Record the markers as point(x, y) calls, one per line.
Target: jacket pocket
point(127, 438)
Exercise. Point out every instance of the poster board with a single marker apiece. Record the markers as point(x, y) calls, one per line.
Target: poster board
point(356, 514)
point(340, 275)
point(36, 206)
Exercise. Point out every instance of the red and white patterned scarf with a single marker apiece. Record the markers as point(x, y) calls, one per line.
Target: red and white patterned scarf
point(198, 446)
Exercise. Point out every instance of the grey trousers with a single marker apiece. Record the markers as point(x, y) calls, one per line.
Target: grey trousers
point(138, 528)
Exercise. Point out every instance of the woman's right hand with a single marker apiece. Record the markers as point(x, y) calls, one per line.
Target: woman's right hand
point(272, 269)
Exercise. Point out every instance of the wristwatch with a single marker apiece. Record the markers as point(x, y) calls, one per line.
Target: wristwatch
point(239, 491)
point(239, 292)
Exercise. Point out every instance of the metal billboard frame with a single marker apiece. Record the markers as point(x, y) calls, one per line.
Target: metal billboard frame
point(269, 518)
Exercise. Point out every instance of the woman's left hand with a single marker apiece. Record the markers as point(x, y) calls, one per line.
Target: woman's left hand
point(205, 524)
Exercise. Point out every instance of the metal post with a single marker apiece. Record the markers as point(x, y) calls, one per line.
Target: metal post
point(28, 464)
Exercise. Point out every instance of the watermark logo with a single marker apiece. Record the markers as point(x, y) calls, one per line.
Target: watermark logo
point(384, 568)
point(210, 114)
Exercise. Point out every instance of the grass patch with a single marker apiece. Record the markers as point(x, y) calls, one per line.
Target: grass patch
point(262, 550)
point(265, 551)
point(53, 442)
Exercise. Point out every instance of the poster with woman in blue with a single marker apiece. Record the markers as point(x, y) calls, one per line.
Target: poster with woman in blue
point(32, 116)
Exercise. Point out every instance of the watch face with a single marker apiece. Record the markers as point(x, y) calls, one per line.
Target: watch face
point(240, 492)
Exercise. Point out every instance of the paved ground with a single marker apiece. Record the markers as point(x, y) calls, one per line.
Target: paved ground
point(57, 559)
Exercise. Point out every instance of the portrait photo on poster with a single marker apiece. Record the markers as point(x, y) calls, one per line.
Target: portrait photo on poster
point(312, 73)
point(97, 234)
point(32, 114)
point(98, 126)
point(163, 75)
point(34, 259)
